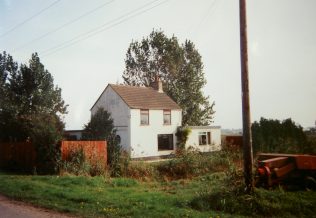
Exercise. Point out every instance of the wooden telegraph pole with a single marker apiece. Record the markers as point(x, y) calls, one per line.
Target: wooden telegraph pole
point(247, 141)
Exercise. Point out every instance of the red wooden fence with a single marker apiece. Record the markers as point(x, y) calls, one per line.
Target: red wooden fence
point(95, 151)
point(17, 155)
point(22, 155)
point(233, 141)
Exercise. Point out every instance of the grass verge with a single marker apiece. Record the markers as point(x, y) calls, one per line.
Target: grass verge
point(191, 185)
point(105, 197)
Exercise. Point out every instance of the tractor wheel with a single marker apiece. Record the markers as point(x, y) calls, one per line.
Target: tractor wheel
point(310, 183)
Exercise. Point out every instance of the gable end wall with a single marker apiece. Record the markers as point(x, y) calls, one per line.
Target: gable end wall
point(120, 113)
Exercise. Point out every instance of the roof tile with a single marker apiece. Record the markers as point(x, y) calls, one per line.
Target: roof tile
point(144, 97)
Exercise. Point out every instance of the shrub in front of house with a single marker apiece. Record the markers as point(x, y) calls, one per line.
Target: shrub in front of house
point(182, 137)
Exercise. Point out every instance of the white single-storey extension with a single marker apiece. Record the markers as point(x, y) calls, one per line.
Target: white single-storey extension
point(204, 138)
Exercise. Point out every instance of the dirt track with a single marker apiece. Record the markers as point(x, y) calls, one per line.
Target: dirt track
point(16, 209)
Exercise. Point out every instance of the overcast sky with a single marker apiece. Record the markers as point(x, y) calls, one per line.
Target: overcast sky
point(83, 45)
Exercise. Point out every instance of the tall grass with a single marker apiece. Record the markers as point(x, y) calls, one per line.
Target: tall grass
point(262, 202)
point(185, 165)
point(76, 164)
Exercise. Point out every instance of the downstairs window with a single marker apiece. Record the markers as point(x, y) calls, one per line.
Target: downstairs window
point(165, 142)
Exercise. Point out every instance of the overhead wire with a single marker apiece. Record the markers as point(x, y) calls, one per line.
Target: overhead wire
point(110, 24)
point(63, 25)
point(28, 19)
point(208, 12)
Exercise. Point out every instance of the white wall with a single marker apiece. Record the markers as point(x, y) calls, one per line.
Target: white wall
point(193, 139)
point(144, 138)
point(120, 113)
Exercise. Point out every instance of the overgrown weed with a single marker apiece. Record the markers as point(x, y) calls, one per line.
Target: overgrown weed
point(76, 164)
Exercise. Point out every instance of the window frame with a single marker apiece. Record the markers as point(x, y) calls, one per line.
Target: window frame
point(162, 138)
point(165, 114)
point(144, 112)
point(207, 135)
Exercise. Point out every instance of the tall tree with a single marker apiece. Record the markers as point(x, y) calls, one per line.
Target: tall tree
point(32, 107)
point(180, 68)
point(7, 110)
point(33, 87)
point(99, 127)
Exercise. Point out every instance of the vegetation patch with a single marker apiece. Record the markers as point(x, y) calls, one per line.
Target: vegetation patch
point(191, 163)
point(231, 198)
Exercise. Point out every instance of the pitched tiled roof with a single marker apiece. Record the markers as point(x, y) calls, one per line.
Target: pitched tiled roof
point(144, 97)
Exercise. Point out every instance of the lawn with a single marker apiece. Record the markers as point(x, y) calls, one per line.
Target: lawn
point(107, 197)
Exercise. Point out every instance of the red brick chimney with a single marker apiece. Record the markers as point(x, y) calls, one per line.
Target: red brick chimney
point(157, 84)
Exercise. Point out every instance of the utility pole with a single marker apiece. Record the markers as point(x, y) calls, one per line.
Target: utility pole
point(247, 141)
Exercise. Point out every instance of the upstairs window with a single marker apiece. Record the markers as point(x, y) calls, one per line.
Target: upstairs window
point(144, 117)
point(167, 117)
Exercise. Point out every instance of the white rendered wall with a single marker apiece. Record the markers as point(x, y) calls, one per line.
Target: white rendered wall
point(120, 113)
point(144, 138)
point(215, 144)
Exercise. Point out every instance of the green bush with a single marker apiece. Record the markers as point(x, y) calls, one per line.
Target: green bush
point(115, 155)
point(182, 137)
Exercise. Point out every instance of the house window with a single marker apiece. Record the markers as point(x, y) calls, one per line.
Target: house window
point(166, 117)
point(165, 142)
point(144, 117)
point(204, 138)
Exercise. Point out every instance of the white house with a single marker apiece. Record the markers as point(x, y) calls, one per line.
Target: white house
point(146, 119)
point(205, 138)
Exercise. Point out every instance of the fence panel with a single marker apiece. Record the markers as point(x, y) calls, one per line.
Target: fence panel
point(95, 151)
point(17, 155)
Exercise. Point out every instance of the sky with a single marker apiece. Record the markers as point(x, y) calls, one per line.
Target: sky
point(83, 45)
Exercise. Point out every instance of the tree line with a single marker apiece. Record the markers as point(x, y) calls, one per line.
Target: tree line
point(272, 135)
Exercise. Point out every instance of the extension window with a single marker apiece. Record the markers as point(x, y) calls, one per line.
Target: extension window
point(204, 138)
